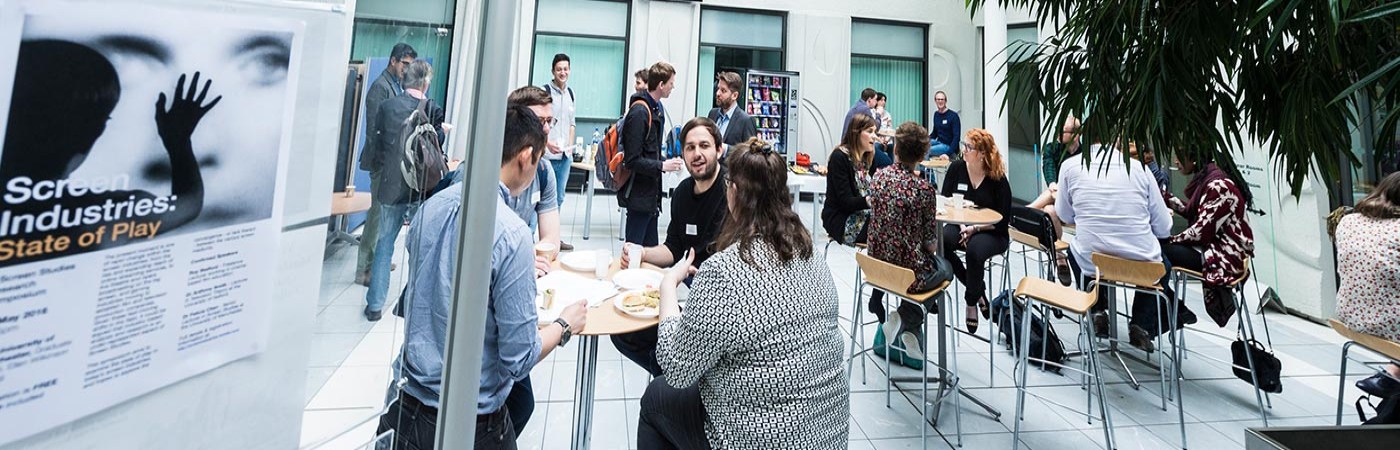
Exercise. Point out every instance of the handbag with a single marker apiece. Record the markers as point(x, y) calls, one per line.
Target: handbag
point(1387, 413)
point(927, 281)
point(1267, 367)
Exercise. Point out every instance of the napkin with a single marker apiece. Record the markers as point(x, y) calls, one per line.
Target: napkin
point(569, 288)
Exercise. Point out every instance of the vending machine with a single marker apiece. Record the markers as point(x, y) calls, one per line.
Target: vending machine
point(772, 99)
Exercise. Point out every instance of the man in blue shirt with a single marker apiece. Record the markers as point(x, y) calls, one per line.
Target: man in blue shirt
point(514, 342)
point(947, 128)
point(862, 106)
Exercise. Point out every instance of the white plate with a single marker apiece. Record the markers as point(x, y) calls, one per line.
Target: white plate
point(579, 261)
point(637, 279)
point(649, 313)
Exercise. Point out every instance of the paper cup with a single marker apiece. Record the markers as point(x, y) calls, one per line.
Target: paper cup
point(634, 255)
point(957, 200)
point(601, 266)
point(349, 190)
point(547, 250)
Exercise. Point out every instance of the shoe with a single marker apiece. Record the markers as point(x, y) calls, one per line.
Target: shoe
point(1380, 385)
point(1101, 325)
point(565, 246)
point(1139, 338)
point(892, 324)
point(984, 307)
point(1066, 278)
point(362, 277)
point(912, 347)
point(372, 315)
point(971, 321)
point(1185, 316)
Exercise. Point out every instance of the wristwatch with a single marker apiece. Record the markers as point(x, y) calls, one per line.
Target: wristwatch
point(564, 338)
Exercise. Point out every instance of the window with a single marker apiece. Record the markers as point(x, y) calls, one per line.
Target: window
point(739, 40)
point(426, 25)
point(891, 58)
point(594, 35)
point(1024, 148)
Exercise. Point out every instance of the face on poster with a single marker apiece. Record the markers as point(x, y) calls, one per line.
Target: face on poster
point(115, 106)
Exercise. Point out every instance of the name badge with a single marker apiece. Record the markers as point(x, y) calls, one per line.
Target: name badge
point(691, 229)
point(945, 121)
point(961, 187)
point(535, 198)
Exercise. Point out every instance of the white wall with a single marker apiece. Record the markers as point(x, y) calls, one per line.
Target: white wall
point(256, 402)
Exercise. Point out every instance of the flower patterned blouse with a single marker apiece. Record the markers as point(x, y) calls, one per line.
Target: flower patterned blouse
point(901, 218)
point(1368, 263)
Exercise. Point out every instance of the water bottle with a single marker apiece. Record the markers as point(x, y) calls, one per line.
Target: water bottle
point(597, 137)
point(593, 147)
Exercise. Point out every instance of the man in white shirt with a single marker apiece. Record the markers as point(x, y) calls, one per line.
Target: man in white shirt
point(1118, 211)
point(561, 134)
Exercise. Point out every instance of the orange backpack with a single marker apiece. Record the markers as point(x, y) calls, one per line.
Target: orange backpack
point(612, 153)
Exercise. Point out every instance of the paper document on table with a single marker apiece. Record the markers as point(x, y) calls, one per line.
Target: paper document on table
point(569, 288)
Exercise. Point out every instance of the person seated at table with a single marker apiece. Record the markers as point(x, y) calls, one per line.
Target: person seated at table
point(1118, 212)
point(848, 182)
point(902, 230)
point(981, 179)
point(1219, 239)
point(755, 361)
point(698, 207)
point(1065, 147)
point(513, 343)
point(1368, 264)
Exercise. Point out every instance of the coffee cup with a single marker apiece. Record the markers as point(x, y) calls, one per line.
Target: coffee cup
point(634, 255)
point(957, 200)
point(547, 250)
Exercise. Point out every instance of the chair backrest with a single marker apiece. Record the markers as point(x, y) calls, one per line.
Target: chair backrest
point(1390, 349)
point(1025, 239)
point(1244, 274)
point(1126, 271)
point(884, 275)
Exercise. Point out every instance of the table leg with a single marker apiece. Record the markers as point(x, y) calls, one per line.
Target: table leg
point(583, 391)
point(818, 199)
point(588, 213)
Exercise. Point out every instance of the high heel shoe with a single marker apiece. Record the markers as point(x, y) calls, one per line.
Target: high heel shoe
point(971, 320)
point(984, 307)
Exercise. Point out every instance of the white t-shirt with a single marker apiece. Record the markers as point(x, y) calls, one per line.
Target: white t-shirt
point(564, 112)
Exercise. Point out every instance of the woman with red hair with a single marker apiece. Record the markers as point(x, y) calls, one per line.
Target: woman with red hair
point(981, 179)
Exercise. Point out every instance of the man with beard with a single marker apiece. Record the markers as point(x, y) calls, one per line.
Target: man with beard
point(734, 124)
point(698, 207)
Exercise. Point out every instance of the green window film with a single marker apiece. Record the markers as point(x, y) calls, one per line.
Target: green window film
point(374, 39)
point(597, 74)
point(713, 58)
point(902, 81)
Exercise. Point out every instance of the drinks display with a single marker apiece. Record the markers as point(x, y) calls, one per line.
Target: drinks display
point(771, 104)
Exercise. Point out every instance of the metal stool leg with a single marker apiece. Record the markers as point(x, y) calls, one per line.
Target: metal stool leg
point(1023, 365)
point(1247, 329)
point(1342, 380)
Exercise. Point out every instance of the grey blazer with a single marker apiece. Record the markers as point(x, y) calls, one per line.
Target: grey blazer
point(741, 126)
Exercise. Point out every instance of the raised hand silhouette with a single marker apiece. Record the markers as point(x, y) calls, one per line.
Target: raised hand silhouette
point(185, 112)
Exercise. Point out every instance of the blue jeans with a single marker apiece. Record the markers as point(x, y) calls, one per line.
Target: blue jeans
point(561, 176)
point(939, 149)
point(390, 222)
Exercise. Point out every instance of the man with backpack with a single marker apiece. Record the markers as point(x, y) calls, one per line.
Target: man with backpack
point(563, 131)
point(639, 180)
point(396, 198)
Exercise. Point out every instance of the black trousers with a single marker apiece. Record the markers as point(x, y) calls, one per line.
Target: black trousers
point(641, 229)
point(1183, 256)
point(640, 348)
point(980, 247)
point(671, 418)
point(415, 426)
point(1145, 306)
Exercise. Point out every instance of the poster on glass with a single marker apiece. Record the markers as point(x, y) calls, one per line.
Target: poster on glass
point(142, 170)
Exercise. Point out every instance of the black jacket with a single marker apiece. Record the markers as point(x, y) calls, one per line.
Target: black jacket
point(641, 144)
point(842, 196)
point(389, 186)
point(741, 126)
point(381, 90)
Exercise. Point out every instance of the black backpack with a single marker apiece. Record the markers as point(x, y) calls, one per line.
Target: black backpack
point(424, 163)
point(1045, 344)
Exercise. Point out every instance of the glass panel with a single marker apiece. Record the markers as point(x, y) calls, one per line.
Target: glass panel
point(705, 82)
point(430, 11)
point(590, 17)
point(374, 39)
point(598, 76)
point(886, 39)
point(902, 82)
point(1025, 141)
point(741, 29)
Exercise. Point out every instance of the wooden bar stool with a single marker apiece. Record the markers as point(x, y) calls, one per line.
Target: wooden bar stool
point(1377, 344)
point(1035, 291)
point(894, 281)
point(1245, 328)
point(1143, 276)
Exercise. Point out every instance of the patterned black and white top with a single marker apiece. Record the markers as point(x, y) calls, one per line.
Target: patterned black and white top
point(762, 341)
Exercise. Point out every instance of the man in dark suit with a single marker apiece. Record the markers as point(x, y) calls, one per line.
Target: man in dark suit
point(396, 200)
point(387, 86)
point(734, 124)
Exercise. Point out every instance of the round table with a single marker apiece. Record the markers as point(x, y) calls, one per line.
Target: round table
point(342, 206)
point(603, 320)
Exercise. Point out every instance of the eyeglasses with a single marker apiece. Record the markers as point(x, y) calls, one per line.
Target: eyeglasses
point(549, 120)
point(936, 99)
point(968, 147)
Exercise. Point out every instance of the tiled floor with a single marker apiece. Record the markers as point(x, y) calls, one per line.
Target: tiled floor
point(348, 375)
